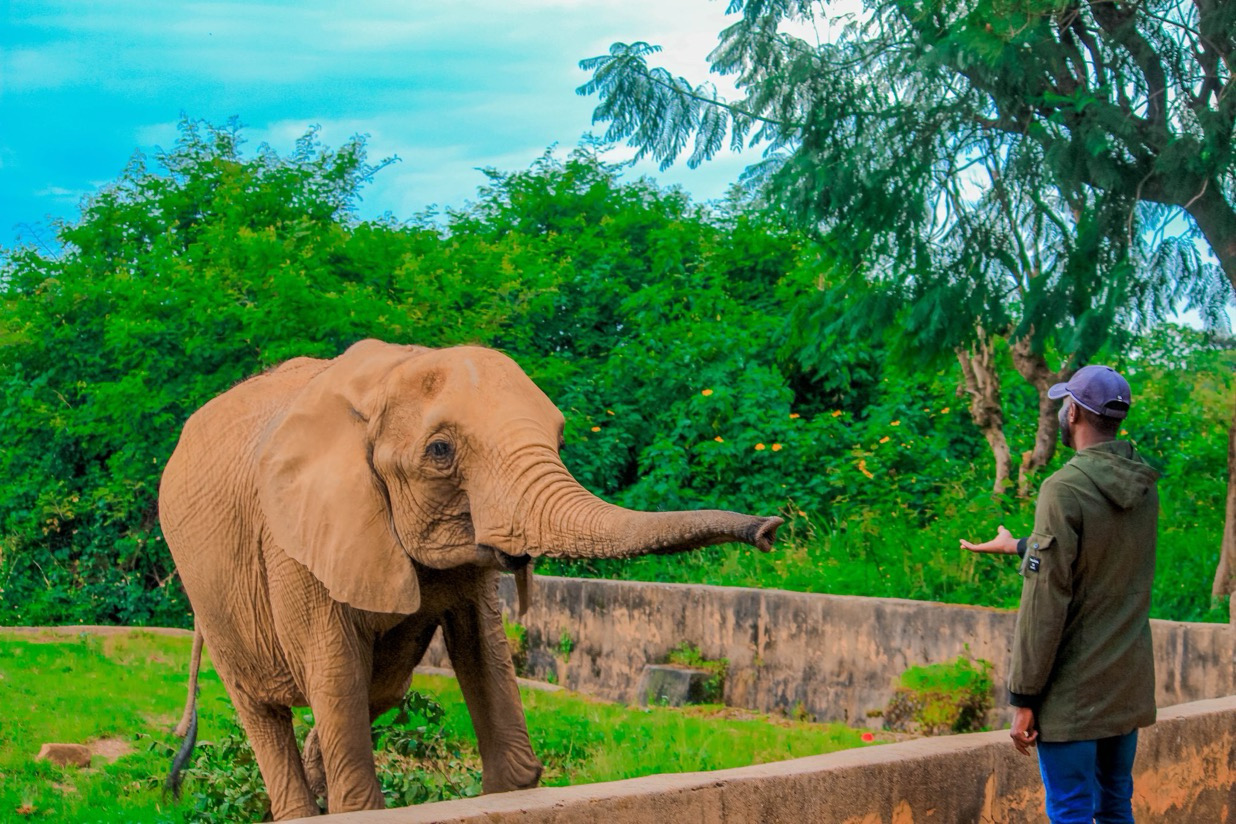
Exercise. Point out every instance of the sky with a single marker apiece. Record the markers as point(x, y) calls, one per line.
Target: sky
point(449, 88)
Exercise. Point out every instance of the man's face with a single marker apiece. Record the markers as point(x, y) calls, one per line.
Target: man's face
point(1066, 434)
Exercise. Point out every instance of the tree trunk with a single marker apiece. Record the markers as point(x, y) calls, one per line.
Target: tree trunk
point(1217, 221)
point(1033, 367)
point(1225, 575)
point(978, 366)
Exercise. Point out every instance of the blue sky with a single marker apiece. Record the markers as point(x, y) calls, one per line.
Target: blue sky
point(448, 87)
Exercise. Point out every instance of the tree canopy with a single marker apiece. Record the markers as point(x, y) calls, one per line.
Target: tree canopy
point(1035, 170)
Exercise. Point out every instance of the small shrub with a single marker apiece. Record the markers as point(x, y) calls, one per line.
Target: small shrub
point(517, 640)
point(938, 699)
point(565, 644)
point(224, 781)
point(688, 655)
point(416, 763)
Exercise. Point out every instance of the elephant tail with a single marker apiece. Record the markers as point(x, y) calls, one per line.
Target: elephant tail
point(187, 728)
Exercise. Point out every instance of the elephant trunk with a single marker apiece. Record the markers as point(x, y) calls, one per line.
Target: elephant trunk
point(564, 520)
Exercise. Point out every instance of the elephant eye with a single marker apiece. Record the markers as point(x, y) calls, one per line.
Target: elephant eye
point(440, 450)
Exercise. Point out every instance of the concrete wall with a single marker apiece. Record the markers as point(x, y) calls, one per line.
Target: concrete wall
point(1184, 774)
point(836, 657)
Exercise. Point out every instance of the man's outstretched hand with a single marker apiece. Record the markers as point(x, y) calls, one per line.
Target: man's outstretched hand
point(1003, 544)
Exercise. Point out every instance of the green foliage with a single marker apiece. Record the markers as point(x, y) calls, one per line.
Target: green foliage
point(80, 688)
point(995, 155)
point(582, 740)
point(980, 170)
point(224, 783)
point(517, 640)
point(950, 697)
point(565, 644)
point(682, 344)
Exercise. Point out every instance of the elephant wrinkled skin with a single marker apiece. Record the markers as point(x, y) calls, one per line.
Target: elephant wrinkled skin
point(326, 517)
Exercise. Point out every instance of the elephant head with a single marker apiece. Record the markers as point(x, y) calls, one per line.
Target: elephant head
point(446, 456)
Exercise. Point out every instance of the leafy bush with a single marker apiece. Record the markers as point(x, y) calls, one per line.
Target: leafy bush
point(416, 763)
point(712, 691)
point(936, 699)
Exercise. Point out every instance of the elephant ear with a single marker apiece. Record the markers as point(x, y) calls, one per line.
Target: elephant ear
point(325, 506)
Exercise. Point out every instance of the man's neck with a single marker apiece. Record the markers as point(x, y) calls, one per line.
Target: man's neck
point(1084, 437)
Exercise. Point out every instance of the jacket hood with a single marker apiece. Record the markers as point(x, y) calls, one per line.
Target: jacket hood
point(1118, 471)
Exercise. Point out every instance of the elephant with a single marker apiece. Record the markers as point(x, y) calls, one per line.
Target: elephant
point(326, 517)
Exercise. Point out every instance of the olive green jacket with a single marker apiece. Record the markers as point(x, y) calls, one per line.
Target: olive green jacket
point(1082, 655)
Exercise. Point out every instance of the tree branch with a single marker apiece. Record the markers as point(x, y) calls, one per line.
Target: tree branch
point(1120, 25)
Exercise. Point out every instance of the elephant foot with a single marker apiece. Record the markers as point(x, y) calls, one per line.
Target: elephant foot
point(521, 774)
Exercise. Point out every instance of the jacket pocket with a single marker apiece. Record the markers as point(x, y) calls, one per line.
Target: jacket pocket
point(1037, 543)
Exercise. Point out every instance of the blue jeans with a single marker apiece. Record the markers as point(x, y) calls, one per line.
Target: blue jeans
point(1089, 781)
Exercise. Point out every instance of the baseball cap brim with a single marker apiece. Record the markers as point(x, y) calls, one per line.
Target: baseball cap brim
point(1058, 391)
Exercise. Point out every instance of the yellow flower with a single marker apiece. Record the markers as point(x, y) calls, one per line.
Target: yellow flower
point(706, 392)
point(895, 423)
point(776, 447)
point(719, 439)
point(1124, 431)
point(884, 439)
point(609, 411)
point(862, 467)
point(944, 411)
point(596, 429)
point(794, 415)
point(759, 447)
point(836, 413)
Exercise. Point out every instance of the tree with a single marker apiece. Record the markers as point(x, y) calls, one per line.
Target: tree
point(1015, 168)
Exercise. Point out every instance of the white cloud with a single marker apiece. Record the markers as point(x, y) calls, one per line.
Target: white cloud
point(447, 87)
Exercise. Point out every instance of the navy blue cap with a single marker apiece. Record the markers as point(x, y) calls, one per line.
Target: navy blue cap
point(1100, 389)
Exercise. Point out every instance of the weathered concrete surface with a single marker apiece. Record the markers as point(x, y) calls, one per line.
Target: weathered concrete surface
point(834, 656)
point(1184, 774)
point(672, 686)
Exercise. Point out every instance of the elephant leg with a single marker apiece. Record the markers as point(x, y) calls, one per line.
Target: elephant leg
point(343, 736)
point(270, 734)
point(482, 661)
point(395, 655)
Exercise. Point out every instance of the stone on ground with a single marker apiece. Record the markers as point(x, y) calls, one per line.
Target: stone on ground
point(65, 755)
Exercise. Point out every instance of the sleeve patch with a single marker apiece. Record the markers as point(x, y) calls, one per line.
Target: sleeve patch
point(1033, 563)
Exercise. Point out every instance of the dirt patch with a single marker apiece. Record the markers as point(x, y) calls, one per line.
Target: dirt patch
point(110, 748)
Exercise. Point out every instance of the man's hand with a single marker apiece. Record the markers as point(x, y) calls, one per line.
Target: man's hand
point(1003, 544)
point(1023, 732)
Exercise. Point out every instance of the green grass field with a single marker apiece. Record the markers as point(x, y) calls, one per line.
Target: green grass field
point(124, 692)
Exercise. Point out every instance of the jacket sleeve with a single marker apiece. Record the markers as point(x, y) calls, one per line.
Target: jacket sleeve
point(1047, 590)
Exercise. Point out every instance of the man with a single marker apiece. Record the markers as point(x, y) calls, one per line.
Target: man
point(1082, 674)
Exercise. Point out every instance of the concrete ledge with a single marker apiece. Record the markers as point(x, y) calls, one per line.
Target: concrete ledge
point(1184, 773)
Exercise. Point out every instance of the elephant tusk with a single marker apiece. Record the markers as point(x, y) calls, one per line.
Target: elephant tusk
point(523, 580)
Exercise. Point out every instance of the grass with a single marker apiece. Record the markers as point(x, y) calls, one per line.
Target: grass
point(82, 688)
